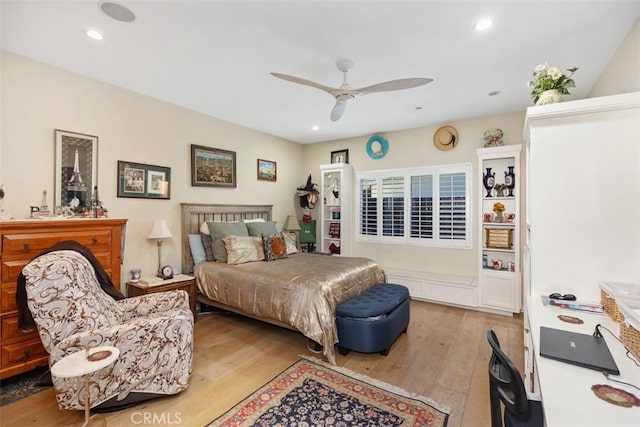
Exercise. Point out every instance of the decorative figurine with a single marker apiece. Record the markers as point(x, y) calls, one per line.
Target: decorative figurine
point(489, 180)
point(510, 180)
point(44, 207)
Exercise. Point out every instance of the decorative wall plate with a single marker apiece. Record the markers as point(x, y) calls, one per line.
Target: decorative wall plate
point(377, 147)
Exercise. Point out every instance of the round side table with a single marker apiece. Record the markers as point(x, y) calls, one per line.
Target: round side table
point(83, 363)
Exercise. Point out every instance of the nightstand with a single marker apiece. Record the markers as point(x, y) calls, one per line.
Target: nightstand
point(151, 285)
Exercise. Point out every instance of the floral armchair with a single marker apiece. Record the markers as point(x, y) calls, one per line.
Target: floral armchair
point(154, 333)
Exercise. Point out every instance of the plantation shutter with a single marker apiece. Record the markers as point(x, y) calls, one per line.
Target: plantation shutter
point(421, 208)
point(393, 206)
point(453, 212)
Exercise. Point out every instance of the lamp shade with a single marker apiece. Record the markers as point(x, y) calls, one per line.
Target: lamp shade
point(291, 224)
point(160, 230)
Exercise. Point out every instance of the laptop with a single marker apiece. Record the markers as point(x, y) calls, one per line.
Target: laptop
point(577, 349)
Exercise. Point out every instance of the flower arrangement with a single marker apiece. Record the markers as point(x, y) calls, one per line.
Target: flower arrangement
point(547, 78)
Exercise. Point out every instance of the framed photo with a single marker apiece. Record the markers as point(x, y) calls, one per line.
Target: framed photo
point(76, 169)
point(341, 156)
point(143, 181)
point(267, 170)
point(212, 167)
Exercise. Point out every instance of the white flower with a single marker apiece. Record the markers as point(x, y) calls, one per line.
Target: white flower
point(554, 73)
point(540, 68)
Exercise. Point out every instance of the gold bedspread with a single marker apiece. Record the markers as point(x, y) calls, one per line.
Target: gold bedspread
point(302, 290)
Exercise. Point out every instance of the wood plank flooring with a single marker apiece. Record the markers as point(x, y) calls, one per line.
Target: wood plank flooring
point(443, 356)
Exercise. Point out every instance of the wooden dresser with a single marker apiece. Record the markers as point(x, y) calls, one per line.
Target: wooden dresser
point(23, 240)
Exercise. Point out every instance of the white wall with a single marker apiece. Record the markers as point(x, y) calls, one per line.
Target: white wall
point(622, 74)
point(37, 98)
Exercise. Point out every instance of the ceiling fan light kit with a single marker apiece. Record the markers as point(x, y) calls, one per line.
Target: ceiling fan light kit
point(345, 93)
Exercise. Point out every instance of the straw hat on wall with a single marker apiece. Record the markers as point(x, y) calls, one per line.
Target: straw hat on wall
point(445, 138)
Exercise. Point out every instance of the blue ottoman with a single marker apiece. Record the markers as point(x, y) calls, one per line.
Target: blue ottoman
point(372, 321)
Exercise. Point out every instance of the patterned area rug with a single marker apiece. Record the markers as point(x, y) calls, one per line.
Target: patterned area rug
point(311, 392)
point(24, 385)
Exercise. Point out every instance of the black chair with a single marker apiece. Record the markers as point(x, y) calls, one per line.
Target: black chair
point(506, 386)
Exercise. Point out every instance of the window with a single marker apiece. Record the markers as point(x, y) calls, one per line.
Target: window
point(421, 206)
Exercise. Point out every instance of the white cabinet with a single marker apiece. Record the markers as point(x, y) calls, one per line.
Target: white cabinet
point(583, 195)
point(499, 282)
point(336, 208)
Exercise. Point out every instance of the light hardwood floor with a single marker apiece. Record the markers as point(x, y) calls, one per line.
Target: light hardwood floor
point(443, 356)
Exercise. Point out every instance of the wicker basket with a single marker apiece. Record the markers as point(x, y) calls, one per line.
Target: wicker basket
point(611, 291)
point(630, 328)
point(630, 336)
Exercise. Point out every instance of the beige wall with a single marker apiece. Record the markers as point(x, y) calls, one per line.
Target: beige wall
point(622, 74)
point(37, 98)
point(415, 147)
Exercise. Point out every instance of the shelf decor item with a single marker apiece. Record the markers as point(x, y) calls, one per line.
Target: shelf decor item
point(489, 180)
point(550, 83)
point(498, 208)
point(510, 180)
point(499, 238)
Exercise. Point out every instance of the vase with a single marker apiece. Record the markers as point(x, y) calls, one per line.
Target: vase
point(510, 180)
point(489, 180)
point(551, 96)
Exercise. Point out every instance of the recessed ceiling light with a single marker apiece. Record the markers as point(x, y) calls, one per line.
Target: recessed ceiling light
point(315, 128)
point(484, 24)
point(96, 35)
point(494, 93)
point(418, 108)
point(116, 11)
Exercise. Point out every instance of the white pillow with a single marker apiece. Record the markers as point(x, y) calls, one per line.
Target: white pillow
point(254, 220)
point(241, 249)
point(290, 242)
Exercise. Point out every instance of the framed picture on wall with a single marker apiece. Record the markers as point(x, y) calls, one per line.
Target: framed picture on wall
point(143, 181)
point(76, 169)
point(212, 167)
point(267, 170)
point(341, 156)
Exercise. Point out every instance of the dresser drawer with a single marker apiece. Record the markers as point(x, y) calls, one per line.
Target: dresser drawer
point(8, 299)
point(17, 246)
point(12, 333)
point(22, 352)
point(11, 269)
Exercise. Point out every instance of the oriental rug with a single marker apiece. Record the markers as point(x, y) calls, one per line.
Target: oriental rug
point(311, 392)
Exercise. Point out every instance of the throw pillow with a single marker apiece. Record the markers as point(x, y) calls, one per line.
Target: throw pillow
point(260, 228)
point(241, 249)
point(197, 248)
point(207, 245)
point(290, 242)
point(220, 229)
point(274, 247)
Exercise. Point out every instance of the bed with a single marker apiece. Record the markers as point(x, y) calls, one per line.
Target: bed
point(299, 292)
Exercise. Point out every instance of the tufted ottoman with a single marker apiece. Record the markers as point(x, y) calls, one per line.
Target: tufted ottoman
point(371, 322)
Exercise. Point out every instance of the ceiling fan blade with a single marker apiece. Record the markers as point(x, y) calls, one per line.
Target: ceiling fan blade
point(394, 85)
point(304, 82)
point(337, 111)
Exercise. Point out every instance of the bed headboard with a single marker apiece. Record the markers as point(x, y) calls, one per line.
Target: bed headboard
point(194, 214)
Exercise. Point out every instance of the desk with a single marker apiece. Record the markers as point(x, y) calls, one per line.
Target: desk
point(77, 364)
point(566, 389)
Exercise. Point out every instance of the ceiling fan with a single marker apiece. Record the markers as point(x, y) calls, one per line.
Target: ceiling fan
point(345, 93)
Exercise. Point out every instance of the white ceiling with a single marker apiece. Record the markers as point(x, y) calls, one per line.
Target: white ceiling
point(215, 56)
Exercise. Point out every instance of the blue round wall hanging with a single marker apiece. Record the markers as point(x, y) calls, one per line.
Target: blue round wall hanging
point(377, 147)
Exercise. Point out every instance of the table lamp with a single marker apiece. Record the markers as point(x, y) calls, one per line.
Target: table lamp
point(160, 231)
point(291, 224)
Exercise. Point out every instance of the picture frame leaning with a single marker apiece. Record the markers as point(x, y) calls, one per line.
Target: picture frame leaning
point(340, 156)
point(76, 169)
